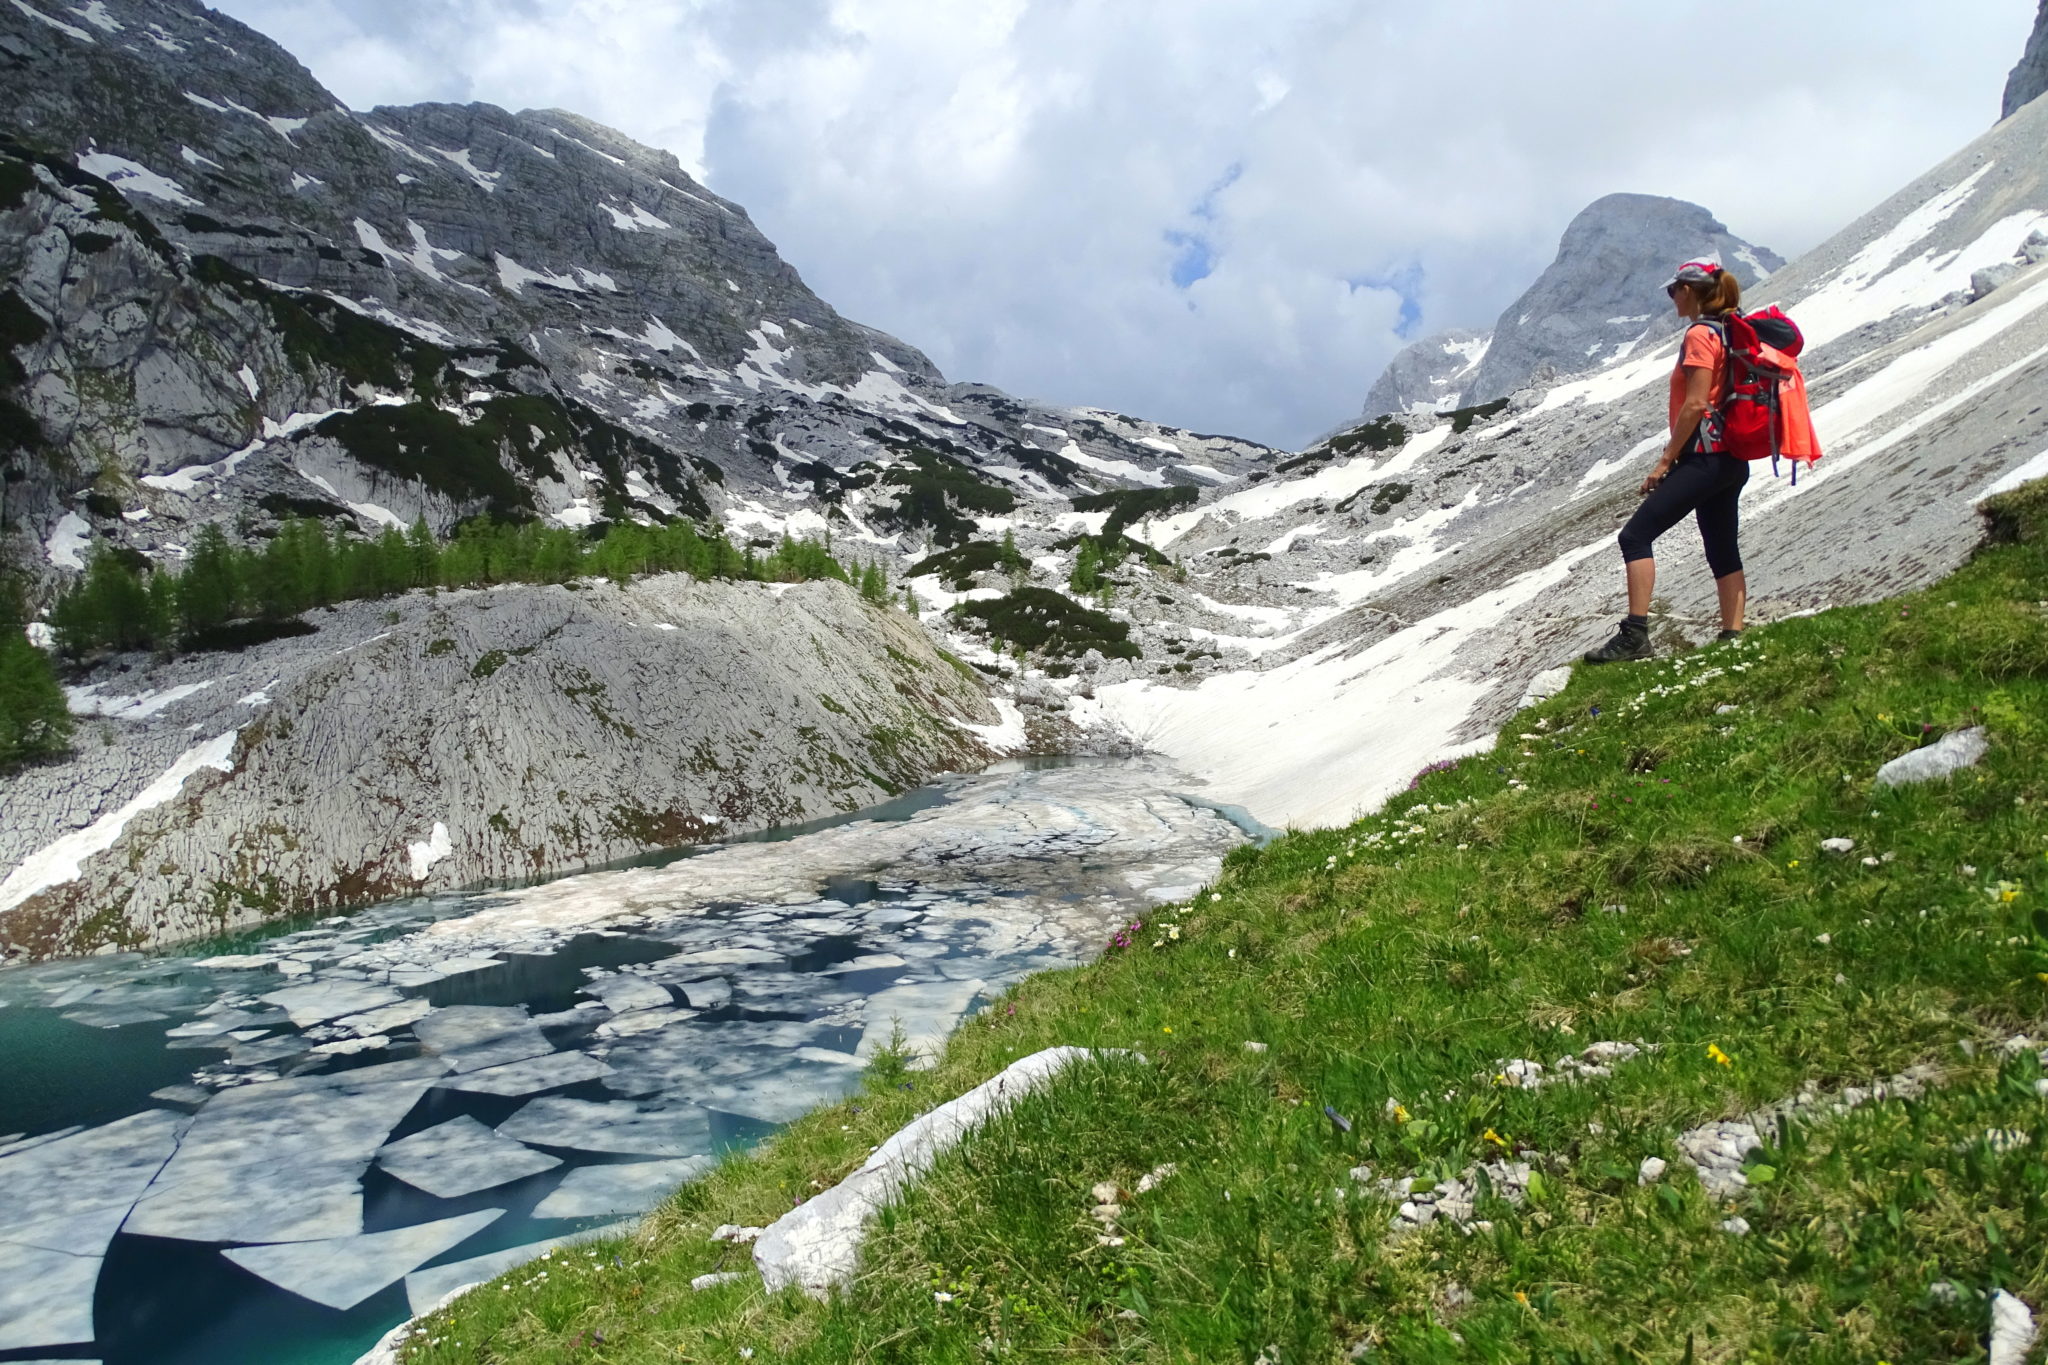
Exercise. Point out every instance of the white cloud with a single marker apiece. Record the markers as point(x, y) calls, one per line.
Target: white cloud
point(995, 182)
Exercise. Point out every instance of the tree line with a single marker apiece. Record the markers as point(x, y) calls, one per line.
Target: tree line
point(123, 601)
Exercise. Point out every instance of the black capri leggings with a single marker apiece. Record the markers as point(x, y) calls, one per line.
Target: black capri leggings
point(1708, 486)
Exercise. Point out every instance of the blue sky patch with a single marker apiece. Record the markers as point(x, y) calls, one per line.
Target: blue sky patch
point(1407, 283)
point(1194, 259)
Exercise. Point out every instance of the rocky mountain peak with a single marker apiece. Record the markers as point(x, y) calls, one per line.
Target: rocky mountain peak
point(1603, 295)
point(2029, 79)
point(1599, 300)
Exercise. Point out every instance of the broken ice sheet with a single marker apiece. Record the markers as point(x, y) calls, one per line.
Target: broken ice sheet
point(626, 992)
point(473, 1037)
point(531, 1076)
point(281, 1160)
point(341, 1272)
point(45, 1297)
point(94, 1169)
point(461, 1157)
point(318, 1001)
point(635, 1187)
point(610, 1126)
point(927, 1013)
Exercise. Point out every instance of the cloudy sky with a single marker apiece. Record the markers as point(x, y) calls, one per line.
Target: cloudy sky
point(1222, 214)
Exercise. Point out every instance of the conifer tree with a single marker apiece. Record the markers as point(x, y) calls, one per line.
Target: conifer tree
point(426, 556)
point(207, 588)
point(1087, 576)
point(34, 721)
point(1012, 558)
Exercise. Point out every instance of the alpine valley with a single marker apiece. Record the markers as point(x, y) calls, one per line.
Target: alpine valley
point(850, 695)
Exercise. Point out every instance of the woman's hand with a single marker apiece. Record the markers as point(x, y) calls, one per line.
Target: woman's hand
point(1656, 477)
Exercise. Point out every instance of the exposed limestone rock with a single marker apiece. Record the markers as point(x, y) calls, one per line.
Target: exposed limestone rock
point(540, 728)
point(817, 1244)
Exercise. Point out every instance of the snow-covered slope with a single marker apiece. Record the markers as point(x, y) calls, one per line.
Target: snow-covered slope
point(1412, 594)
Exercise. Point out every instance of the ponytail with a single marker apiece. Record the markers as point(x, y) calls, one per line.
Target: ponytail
point(1723, 296)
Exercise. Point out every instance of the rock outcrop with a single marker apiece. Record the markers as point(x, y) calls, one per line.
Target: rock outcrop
point(2029, 78)
point(1428, 375)
point(477, 737)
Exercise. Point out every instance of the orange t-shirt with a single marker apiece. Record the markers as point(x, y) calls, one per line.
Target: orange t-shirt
point(1703, 349)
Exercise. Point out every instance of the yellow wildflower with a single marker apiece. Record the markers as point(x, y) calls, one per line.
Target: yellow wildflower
point(1166, 1028)
point(1495, 1138)
point(1523, 1299)
point(1400, 1113)
point(1793, 863)
point(1718, 1057)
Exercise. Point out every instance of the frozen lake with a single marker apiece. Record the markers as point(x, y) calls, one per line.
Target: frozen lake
point(269, 1152)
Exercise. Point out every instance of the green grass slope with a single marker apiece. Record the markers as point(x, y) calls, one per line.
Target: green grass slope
point(1635, 861)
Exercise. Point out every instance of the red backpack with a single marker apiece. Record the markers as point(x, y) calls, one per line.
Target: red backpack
point(1764, 411)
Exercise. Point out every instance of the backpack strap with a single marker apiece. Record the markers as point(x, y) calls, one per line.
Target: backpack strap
point(1710, 438)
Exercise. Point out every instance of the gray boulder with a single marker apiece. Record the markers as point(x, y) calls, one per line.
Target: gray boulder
point(1943, 758)
point(1992, 277)
point(2029, 79)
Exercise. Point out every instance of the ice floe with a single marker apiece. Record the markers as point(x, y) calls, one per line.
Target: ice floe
point(281, 1160)
point(610, 1126)
point(473, 1037)
point(341, 1272)
point(607, 1191)
point(461, 1157)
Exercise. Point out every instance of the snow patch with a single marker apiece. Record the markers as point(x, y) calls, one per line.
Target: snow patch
point(420, 258)
point(132, 177)
point(1006, 735)
point(637, 220)
point(1316, 740)
point(1116, 469)
point(1161, 444)
point(87, 701)
point(66, 546)
point(433, 849)
point(58, 24)
point(63, 860)
point(95, 13)
point(516, 277)
point(487, 180)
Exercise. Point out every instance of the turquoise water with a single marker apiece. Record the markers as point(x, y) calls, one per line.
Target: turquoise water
point(172, 1302)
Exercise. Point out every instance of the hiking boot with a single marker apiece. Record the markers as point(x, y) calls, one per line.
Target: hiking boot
point(1725, 636)
point(1630, 642)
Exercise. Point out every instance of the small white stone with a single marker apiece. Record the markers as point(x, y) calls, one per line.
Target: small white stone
point(1651, 1171)
point(1737, 1226)
point(1823, 938)
point(1254, 1047)
point(1837, 845)
point(1157, 1176)
point(713, 1280)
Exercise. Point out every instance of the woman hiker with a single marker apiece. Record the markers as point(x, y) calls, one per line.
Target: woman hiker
point(1695, 475)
